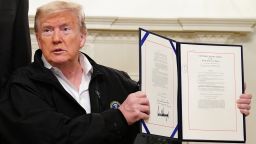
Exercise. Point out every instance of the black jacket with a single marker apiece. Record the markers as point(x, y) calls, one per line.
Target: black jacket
point(36, 109)
point(15, 47)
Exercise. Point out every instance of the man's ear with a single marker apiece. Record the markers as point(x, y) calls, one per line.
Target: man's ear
point(38, 40)
point(82, 39)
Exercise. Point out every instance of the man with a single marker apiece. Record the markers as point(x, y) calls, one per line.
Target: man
point(64, 96)
point(15, 48)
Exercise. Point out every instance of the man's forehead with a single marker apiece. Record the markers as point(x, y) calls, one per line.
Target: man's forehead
point(60, 18)
point(64, 14)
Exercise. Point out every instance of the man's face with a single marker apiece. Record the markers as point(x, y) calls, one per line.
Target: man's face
point(59, 37)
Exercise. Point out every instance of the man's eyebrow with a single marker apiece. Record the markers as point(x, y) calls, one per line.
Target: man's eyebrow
point(65, 24)
point(47, 26)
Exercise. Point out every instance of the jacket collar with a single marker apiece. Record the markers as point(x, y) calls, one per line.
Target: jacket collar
point(43, 74)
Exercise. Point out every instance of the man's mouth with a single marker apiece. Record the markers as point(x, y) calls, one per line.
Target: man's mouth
point(58, 50)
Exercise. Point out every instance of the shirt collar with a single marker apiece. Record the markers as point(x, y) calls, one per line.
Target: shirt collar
point(46, 64)
point(86, 65)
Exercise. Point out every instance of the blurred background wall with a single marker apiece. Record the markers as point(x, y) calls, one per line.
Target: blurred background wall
point(113, 31)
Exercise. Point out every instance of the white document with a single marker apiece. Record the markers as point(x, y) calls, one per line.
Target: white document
point(159, 82)
point(193, 86)
point(211, 84)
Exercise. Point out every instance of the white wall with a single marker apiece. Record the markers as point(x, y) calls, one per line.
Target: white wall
point(164, 8)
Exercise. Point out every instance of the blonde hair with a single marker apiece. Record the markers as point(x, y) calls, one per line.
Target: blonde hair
point(61, 5)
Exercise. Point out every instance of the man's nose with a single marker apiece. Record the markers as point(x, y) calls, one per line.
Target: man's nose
point(56, 37)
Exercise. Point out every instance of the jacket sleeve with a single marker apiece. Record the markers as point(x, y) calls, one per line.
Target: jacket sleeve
point(32, 121)
point(21, 53)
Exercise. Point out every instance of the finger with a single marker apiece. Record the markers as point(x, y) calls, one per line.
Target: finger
point(143, 116)
point(244, 101)
point(244, 106)
point(245, 112)
point(247, 96)
point(143, 101)
point(139, 94)
point(144, 109)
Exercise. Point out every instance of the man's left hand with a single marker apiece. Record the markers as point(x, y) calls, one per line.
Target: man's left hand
point(243, 103)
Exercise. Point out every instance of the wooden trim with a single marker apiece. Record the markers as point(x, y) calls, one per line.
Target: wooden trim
point(164, 24)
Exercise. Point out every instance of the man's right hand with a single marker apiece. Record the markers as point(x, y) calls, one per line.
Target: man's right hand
point(135, 107)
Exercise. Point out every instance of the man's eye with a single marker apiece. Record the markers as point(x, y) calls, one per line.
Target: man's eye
point(66, 30)
point(47, 31)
